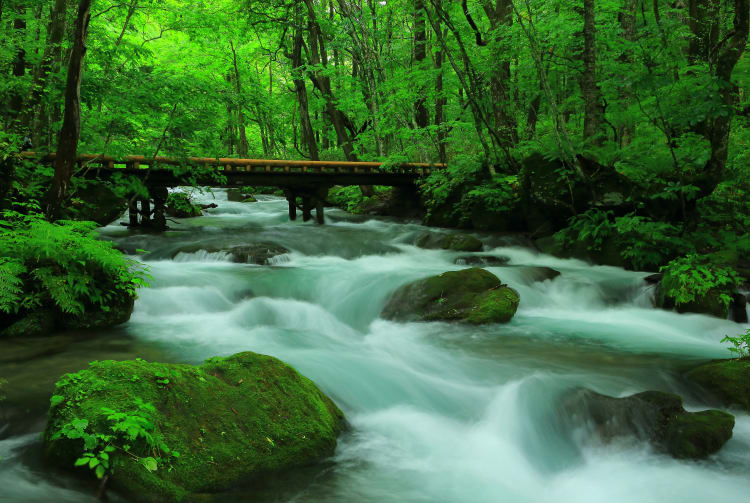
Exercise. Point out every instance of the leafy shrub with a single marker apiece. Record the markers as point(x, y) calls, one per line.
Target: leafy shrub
point(180, 202)
point(131, 432)
point(740, 344)
point(62, 264)
point(692, 278)
point(642, 242)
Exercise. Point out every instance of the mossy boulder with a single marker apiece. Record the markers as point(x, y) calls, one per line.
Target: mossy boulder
point(455, 242)
point(257, 253)
point(47, 319)
point(179, 431)
point(472, 295)
point(710, 302)
point(179, 205)
point(96, 201)
point(481, 260)
point(240, 196)
point(38, 322)
point(534, 274)
point(651, 416)
point(727, 380)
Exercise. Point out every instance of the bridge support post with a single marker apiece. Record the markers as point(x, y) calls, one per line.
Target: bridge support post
point(291, 199)
point(133, 213)
point(160, 195)
point(306, 208)
point(319, 211)
point(145, 213)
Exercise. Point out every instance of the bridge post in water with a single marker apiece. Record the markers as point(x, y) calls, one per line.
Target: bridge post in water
point(306, 208)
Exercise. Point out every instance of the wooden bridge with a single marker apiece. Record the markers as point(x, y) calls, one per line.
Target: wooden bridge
point(308, 180)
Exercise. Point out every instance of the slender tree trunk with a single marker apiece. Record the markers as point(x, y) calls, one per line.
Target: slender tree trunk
point(627, 22)
point(721, 57)
point(242, 146)
point(308, 138)
point(56, 30)
point(67, 146)
point(592, 96)
point(501, 15)
point(421, 117)
point(19, 63)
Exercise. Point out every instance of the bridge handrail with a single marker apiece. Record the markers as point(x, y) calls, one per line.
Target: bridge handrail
point(139, 160)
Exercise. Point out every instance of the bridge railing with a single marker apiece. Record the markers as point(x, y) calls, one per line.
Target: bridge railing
point(136, 162)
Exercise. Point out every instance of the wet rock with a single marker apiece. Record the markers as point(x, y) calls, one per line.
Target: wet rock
point(257, 253)
point(240, 196)
point(481, 260)
point(118, 311)
point(533, 274)
point(178, 205)
point(738, 308)
point(36, 323)
point(653, 279)
point(651, 416)
point(213, 426)
point(455, 242)
point(97, 202)
point(727, 380)
point(471, 295)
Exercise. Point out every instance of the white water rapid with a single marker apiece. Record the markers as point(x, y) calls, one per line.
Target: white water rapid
point(439, 412)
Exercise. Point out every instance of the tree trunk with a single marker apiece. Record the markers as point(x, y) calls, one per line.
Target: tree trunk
point(592, 96)
point(19, 63)
point(242, 146)
point(721, 58)
point(56, 30)
point(308, 138)
point(501, 14)
point(67, 146)
point(421, 117)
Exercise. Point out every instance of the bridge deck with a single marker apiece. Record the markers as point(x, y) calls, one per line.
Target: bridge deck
point(275, 172)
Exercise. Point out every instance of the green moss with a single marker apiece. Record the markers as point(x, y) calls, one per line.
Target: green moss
point(495, 306)
point(699, 434)
point(36, 323)
point(474, 295)
point(231, 419)
point(455, 242)
point(728, 380)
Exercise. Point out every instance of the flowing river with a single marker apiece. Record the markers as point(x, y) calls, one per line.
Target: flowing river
point(439, 412)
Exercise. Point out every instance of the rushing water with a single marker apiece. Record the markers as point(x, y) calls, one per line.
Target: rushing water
point(439, 412)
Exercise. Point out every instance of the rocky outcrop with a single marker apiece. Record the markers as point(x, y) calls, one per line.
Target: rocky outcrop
point(727, 380)
point(471, 295)
point(96, 202)
point(253, 253)
point(454, 242)
point(257, 253)
point(538, 274)
point(481, 260)
point(48, 319)
point(651, 416)
point(171, 432)
point(240, 196)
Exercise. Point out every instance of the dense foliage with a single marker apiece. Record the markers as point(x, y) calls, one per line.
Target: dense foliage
point(621, 123)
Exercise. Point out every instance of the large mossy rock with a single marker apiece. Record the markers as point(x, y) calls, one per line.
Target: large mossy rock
point(47, 320)
point(652, 416)
point(710, 303)
point(727, 380)
point(231, 420)
point(471, 295)
point(257, 253)
point(96, 202)
point(455, 242)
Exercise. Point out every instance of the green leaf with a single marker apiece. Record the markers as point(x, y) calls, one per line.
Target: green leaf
point(150, 464)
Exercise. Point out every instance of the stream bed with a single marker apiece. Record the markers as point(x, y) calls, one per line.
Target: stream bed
point(439, 412)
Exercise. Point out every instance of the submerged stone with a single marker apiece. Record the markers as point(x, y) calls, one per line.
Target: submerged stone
point(727, 380)
point(471, 295)
point(651, 416)
point(481, 260)
point(177, 431)
point(257, 253)
point(455, 242)
point(534, 274)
